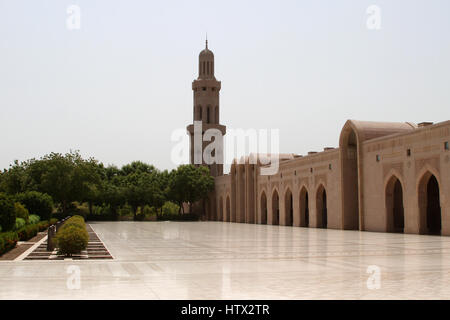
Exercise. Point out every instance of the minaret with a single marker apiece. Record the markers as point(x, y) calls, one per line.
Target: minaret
point(206, 105)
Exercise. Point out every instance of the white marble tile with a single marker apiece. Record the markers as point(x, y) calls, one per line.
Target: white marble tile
point(214, 260)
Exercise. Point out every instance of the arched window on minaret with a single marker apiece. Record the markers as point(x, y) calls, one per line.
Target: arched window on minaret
point(207, 114)
point(216, 113)
point(200, 112)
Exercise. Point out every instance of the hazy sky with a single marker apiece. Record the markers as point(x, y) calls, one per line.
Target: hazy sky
point(118, 87)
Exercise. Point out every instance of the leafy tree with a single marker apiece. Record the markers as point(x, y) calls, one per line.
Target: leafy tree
point(66, 178)
point(40, 204)
point(112, 195)
point(7, 212)
point(190, 184)
point(21, 212)
point(15, 179)
point(137, 167)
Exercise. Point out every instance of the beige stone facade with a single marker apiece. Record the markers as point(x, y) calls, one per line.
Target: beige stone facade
point(384, 177)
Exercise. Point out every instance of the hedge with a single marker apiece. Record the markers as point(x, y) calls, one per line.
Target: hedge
point(72, 237)
point(8, 241)
point(28, 232)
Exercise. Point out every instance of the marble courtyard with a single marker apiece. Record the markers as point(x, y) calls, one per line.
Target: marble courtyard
point(220, 260)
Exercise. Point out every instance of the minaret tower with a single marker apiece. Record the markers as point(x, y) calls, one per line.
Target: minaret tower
point(206, 106)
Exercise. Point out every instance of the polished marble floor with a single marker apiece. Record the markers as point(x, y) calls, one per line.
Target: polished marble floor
point(215, 260)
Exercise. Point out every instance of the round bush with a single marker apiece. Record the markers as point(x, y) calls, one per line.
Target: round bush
point(7, 213)
point(170, 208)
point(75, 221)
point(21, 212)
point(37, 203)
point(71, 240)
point(19, 223)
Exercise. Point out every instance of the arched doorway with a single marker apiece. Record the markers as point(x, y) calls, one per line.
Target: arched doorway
point(350, 178)
point(288, 208)
point(275, 208)
point(394, 206)
point(321, 207)
point(227, 208)
point(430, 205)
point(263, 206)
point(304, 208)
point(221, 209)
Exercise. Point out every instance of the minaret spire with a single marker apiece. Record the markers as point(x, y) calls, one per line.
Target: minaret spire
point(207, 40)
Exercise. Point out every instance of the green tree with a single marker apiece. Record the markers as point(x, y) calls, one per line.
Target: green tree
point(189, 184)
point(7, 212)
point(15, 179)
point(66, 178)
point(40, 204)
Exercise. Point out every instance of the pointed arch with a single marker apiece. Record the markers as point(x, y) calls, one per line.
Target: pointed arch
point(228, 210)
point(216, 114)
point(304, 207)
point(395, 217)
point(429, 204)
point(221, 218)
point(349, 153)
point(321, 207)
point(263, 208)
point(275, 208)
point(288, 207)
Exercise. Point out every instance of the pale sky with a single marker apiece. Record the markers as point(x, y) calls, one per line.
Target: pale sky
point(118, 87)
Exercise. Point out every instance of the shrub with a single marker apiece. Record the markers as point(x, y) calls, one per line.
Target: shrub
point(170, 208)
point(140, 216)
point(75, 221)
point(2, 245)
point(126, 210)
point(28, 232)
point(43, 225)
point(149, 210)
point(33, 219)
point(21, 212)
point(72, 237)
point(7, 213)
point(53, 221)
point(37, 203)
point(19, 223)
point(9, 240)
